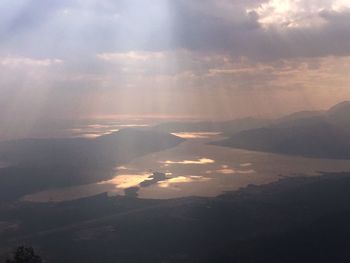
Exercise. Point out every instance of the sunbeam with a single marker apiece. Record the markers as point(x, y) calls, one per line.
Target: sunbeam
point(156, 131)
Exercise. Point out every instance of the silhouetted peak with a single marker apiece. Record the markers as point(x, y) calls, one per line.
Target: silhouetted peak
point(301, 115)
point(341, 107)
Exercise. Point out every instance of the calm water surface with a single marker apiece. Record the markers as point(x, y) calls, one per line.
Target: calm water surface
point(195, 168)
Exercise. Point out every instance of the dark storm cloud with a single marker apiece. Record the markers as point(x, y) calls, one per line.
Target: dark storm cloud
point(207, 29)
point(242, 35)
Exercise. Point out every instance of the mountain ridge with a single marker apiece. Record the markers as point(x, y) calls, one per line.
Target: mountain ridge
point(323, 135)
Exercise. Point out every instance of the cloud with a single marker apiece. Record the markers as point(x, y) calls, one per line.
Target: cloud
point(130, 56)
point(212, 58)
point(258, 29)
point(291, 13)
point(267, 30)
point(23, 61)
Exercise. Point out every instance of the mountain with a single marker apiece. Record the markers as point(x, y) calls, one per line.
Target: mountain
point(321, 135)
point(297, 116)
point(339, 109)
point(39, 164)
point(339, 115)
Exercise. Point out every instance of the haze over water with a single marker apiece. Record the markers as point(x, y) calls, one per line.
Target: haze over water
point(196, 168)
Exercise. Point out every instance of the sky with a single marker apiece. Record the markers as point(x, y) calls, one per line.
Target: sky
point(217, 59)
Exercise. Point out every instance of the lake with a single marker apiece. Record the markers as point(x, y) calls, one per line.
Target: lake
point(196, 168)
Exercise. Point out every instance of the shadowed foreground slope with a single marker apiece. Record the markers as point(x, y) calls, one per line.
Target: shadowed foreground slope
point(301, 219)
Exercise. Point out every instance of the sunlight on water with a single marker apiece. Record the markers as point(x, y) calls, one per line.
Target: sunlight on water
point(122, 168)
point(199, 161)
point(97, 126)
point(89, 135)
point(246, 172)
point(182, 179)
point(196, 168)
point(95, 130)
point(195, 135)
point(226, 171)
point(133, 125)
point(128, 180)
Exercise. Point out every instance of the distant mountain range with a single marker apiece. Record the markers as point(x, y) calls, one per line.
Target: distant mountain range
point(320, 134)
point(39, 164)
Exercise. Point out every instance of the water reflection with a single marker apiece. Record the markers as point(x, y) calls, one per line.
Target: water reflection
point(91, 135)
point(195, 135)
point(128, 180)
point(251, 171)
point(95, 130)
point(97, 126)
point(133, 125)
point(225, 171)
point(182, 179)
point(199, 161)
point(196, 168)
